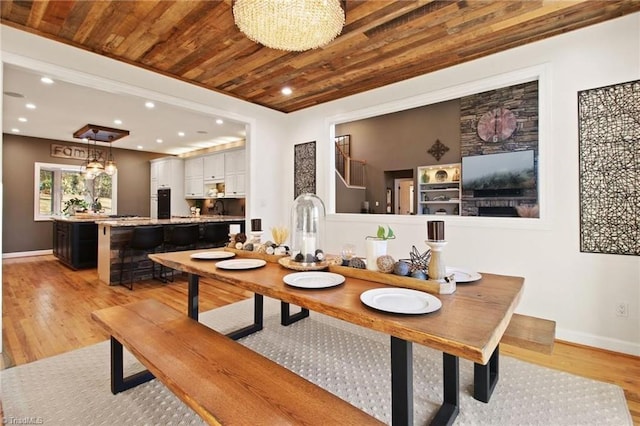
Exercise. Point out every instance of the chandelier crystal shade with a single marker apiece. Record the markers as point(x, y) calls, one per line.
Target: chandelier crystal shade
point(291, 25)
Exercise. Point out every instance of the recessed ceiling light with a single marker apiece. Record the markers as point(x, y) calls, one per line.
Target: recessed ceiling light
point(15, 130)
point(181, 134)
point(46, 80)
point(149, 104)
point(219, 121)
point(139, 147)
point(117, 121)
point(22, 119)
point(30, 106)
point(286, 91)
point(159, 140)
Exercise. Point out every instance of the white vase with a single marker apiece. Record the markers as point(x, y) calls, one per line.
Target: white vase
point(376, 247)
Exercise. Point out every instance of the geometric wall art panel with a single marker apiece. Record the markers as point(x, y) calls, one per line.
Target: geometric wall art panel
point(304, 169)
point(609, 169)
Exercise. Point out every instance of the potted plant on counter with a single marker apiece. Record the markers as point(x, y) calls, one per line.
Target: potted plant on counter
point(74, 205)
point(377, 246)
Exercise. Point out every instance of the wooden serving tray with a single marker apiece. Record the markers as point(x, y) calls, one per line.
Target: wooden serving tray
point(255, 255)
point(429, 286)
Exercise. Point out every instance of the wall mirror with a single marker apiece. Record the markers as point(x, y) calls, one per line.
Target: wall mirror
point(474, 155)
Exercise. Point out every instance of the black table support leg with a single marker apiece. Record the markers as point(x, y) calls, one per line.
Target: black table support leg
point(401, 382)
point(285, 314)
point(258, 315)
point(194, 285)
point(450, 408)
point(120, 383)
point(485, 377)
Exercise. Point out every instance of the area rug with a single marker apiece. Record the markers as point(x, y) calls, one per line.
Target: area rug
point(351, 362)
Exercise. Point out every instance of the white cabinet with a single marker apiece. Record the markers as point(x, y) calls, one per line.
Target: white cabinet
point(214, 167)
point(439, 189)
point(168, 173)
point(234, 173)
point(193, 183)
point(193, 167)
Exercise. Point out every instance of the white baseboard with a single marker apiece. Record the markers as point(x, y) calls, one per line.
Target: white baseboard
point(26, 253)
point(616, 345)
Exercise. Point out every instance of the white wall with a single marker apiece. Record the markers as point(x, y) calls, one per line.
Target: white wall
point(578, 290)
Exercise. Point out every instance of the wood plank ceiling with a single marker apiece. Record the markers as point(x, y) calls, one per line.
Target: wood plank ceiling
point(382, 42)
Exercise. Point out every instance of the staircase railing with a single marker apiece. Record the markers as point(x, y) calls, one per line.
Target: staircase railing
point(352, 171)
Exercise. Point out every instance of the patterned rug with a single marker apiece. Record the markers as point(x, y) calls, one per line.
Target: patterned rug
point(352, 362)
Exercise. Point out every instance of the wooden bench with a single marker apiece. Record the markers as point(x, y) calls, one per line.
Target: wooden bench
point(535, 334)
point(523, 331)
point(223, 381)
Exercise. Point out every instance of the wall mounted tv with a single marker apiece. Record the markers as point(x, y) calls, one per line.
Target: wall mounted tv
point(506, 174)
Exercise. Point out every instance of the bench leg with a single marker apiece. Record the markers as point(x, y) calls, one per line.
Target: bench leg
point(285, 314)
point(192, 296)
point(120, 383)
point(258, 314)
point(450, 408)
point(485, 377)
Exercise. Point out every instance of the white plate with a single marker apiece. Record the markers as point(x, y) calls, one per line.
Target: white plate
point(401, 300)
point(212, 255)
point(463, 275)
point(313, 279)
point(241, 264)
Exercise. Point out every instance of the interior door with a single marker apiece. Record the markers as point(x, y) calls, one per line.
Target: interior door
point(404, 196)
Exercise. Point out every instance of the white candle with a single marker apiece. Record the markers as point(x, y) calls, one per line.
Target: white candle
point(309, 246)
point(234, 229)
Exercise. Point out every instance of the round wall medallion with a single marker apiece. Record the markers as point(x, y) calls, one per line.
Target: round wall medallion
point(496, 125)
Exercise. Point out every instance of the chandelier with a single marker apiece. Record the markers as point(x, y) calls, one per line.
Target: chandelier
point(292, 25)
point(95, 165)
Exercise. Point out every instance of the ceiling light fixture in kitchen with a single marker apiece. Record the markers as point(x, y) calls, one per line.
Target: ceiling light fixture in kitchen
point(95, 164)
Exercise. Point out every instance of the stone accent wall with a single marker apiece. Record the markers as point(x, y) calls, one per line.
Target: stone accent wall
point(522, 101)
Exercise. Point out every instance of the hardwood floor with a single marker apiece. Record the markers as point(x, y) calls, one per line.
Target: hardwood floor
point(47, 307)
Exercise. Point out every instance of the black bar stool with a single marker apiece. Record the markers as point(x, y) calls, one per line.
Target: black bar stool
point(144, 238)
point(183, 237)
point(216, 234)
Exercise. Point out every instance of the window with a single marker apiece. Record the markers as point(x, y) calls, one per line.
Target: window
point(56, 184)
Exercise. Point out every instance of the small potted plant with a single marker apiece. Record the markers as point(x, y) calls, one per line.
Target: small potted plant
point(377, 246)
point(74, 205)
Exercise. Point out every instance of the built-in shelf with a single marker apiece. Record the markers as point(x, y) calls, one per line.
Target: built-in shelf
point(439, 189)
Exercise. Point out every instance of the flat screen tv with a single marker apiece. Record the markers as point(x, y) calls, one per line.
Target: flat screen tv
point(508, 171)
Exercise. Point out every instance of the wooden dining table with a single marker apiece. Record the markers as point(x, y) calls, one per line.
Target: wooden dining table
point(469, 324)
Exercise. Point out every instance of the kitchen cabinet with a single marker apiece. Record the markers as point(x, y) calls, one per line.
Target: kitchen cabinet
point(193, 175)
point(214, 166)
point(234, 173)
point(168, 172)
point(76, 243)
point(194, 187)
point(439, 189)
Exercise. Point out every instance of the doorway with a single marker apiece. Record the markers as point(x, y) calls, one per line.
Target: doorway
point(404, 196)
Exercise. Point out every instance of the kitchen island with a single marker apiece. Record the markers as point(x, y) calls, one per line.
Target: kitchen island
point(114, 234)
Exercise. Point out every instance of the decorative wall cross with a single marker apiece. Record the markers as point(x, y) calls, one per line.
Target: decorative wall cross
point(438, 149)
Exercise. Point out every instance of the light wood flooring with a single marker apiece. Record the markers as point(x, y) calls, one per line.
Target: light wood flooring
point(47, 307)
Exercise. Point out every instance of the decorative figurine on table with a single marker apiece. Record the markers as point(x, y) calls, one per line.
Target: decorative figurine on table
point(437, 269)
